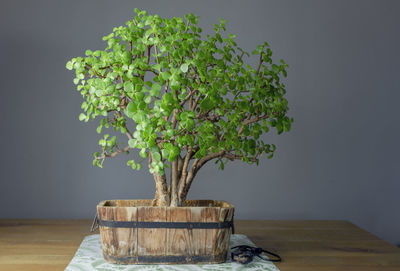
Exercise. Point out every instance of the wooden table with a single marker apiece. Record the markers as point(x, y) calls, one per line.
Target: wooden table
point(34, 244)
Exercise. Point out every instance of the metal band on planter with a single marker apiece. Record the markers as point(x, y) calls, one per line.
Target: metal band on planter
point(166, 259)
point(165, 225)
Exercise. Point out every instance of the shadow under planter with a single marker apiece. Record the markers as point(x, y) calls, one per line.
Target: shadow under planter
point(134, 232)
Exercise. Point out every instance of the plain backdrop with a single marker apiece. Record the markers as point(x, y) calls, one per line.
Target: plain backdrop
point(340, 161)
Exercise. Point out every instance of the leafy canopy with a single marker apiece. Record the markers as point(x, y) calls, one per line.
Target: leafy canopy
point(181, 92)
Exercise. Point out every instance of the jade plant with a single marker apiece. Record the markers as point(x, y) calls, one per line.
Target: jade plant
point(180, 99)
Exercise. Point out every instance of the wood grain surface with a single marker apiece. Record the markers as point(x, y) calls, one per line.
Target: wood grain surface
point(33, 244)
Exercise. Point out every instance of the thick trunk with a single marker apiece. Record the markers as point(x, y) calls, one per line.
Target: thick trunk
point(161, 197)
point(183, 174)
point(174, 183)
point(189, 174)
point(181, 179)
point(188, 182)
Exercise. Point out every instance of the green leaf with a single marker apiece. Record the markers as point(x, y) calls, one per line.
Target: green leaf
point(168, 97)
point(132, 143)
point(69, 65)
point(184, 67)
point(174, 152)
point(258, 50)
point(165, 153)
point(279, 127)
point(143, 153)
point(157, 156)
point(155, 89)
point(128, 86)
point(286, 126)
point(165, 75)
point(82, 116)
point(206, 104)
point(132, 107)
point(147, 99)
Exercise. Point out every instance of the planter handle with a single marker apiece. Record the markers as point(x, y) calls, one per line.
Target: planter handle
point(95, 223)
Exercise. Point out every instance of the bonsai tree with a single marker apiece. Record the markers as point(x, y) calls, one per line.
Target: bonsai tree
point(181, 100)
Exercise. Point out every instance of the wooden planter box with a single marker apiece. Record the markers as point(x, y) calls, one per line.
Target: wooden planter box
point(134, 232)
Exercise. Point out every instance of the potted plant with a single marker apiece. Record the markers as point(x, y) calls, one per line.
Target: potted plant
point(182, 101)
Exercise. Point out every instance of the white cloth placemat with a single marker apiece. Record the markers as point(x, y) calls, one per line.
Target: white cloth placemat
point(89, 257)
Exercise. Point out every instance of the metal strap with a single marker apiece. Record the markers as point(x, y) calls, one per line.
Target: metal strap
point(165, 259)
point(181, 225)
point(167, 225)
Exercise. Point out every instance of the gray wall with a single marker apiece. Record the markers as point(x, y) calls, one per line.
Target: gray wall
point(340, 161)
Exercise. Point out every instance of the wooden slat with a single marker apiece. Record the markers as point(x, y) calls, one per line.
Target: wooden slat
point(118, 241)
point(223, 235)
point(147, 245)
point(198, 234)
point(211, 215)
point(179, 241)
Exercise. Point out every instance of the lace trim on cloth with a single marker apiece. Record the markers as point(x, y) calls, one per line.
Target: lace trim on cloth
point(89, 257)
